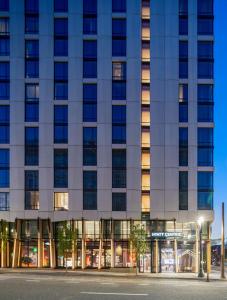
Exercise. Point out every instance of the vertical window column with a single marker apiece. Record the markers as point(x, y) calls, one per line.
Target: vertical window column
point(183, 146)
point(60, 168)
point(31, 58)
point(31, 16)
point(60, 37)
point(60, 124)
point(4, 124)
point(31, 190)
point(31, 146)
point(145, 110)
point(4, 36)
point(183, 17)
point(4, 168)
point(32, 102)
point(183, 190)
point(90, 17)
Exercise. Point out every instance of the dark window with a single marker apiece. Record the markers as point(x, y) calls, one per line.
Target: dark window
point(61, 80)
point(205, 103)
point(183, 59)
point(183, 103)
point(60, 5)
point(31, 190)
point(205, 59)
point(89, 190)
point(183, 146)
point(4, 168)
point(4, 46)
point(31, 24)
point(31, 6)
point(183, 25)
point(118, 6)
point(89, 103)
point(205, 190)
point(32, 58)
point(118, 124)
point(183, 190)
point(183, 7)
point(4, 5)
point(60, 37)
point(31, 146)
point(118, 168)
point(205, 147)
point(119, 80)
point(4, 201)
point(205, 7)
point(4, 124)
point(205, 25)
point(90, 59)
point(118, 201)
point(60, 124)
point(118, 37)
point(4, 80)
point(32, 102)
point(89, 146)
point(90, 7)
point(60, 168)
point(4, 26)
point(90, 24)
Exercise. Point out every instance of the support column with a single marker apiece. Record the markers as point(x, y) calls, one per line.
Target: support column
point(130, 247)
point(16, 246)
point(197, 251)
point(175, 256)
point(112, 244)
point(40, 244)
point(73, 244)
point(155, 256)
point(52, 245)
point(3, 254)
point(83, 246)
point(208, 253)
point(100, 244)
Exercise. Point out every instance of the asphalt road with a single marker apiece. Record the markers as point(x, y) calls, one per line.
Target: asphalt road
point(48, 287)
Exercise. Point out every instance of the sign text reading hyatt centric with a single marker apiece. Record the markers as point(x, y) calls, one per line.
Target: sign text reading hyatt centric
point(166, 234)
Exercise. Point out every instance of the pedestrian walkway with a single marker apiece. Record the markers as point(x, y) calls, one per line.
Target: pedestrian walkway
point(214, 275)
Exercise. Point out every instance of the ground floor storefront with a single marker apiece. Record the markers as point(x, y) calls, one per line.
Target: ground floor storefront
point(171, 246)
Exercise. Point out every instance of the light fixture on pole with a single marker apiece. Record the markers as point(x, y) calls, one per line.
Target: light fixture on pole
point(201, 272)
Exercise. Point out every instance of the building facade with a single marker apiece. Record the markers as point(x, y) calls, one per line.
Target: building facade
point(106, 120)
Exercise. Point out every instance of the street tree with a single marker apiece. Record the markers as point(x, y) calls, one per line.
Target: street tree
point(138, 238)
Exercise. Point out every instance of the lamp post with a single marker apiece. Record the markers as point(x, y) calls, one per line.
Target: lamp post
point(201, 272)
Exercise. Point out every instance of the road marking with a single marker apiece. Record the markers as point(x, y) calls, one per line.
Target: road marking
point(116, 294)
point(143, 284)
point(33, 280)
point(107, 283)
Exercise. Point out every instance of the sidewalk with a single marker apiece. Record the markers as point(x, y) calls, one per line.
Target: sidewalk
point(214, 275)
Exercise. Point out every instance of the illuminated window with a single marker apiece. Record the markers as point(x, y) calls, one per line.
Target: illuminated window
point(61, 201)
point(145, 30)
point(145, 203)
point(145, 117)
point(145, 73)
point(145, 182)
point(145, 9)
point(145, 160)
point(145, 138)
point(145, 94)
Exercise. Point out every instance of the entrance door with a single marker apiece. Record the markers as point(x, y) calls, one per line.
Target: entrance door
point(92, 254)
point(29, 254)
point(145, 263)
point(167, 257)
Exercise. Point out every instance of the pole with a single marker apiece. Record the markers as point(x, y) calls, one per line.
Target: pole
point(223, 243)
point(201, 273)
point(208, 252)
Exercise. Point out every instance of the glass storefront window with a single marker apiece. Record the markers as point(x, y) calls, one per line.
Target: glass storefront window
point(121, 254)
point(186, 257)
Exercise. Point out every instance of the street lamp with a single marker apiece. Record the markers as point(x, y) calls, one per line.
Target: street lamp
point(201, 272)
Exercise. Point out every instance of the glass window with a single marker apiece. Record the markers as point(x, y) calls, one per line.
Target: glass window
point(90, 49)
point(90, 25)
point(89, 103)
point(119, 168)
point(4, 46)
point(205, 103)
point(118, 6)
point(61, 201)
point(183, 25)
point(60, 168)
point(4, 124)
point(205, 26)
point(205, 70)
point(205, 7)
point(183, 59)
point(90, 59)
point(61, 27)
point(119, 27)
point(183, 146)
point(119, 47)
point(4, 168)
point(60, 5)
point(183, 103)
point(4, 90)
point(31, 6)
point(205, 50)
point(31, 190)
point(4, 201)
point(183, 190)
point(90, 7)
point(32, 102)
point(60, 37)
point(32, 48)
point(119, 70)
point(183, 7)
point(61, 80)
point(32, 91)
point(118, 201)
point(31, 146)
point(4, 5)
point(118, 124)
point(4, 26)
point(61, 71)
point(89, 146)
point(60, 124)
point(205, 146)
point(4, 70)
point(205, 190)
point(118, 90)
point(89, 190)
point(31, 24)
point(32, 68)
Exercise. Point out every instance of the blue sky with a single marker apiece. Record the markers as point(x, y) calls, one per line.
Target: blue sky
point(220, 179)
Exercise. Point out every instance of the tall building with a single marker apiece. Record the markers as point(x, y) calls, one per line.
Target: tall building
point(106, 120)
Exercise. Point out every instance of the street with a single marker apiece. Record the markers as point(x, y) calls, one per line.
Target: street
point(66, 287)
